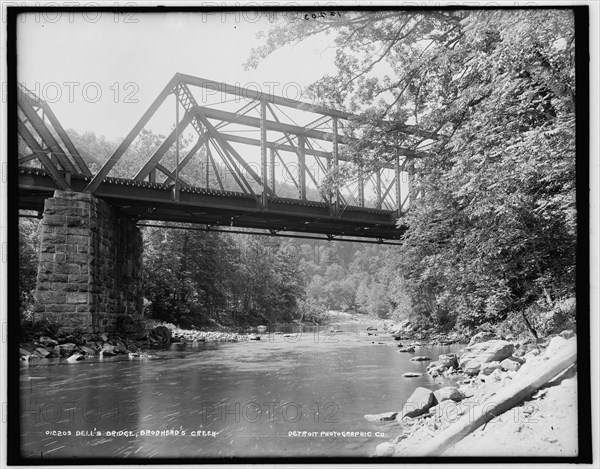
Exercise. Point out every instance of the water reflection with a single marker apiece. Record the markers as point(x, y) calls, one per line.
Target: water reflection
point(240, 399)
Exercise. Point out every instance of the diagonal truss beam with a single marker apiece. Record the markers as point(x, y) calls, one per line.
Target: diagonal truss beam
point(66, 139)
point(171, 176)
point(227, 146)
point(201, 141)
point(41, 155)
point(47, 137)
point(162, 149)
point(237, 175)
point(118, 153)
point(214, 166)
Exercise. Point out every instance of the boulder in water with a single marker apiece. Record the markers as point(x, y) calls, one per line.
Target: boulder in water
point(162, 334)
point(385, 417)
point(75, 357)
point(421, 358)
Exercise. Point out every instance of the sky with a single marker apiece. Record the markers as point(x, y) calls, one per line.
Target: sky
point(100, 71)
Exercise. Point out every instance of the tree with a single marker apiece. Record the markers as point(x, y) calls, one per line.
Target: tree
point(486, 100)
point(28, 260)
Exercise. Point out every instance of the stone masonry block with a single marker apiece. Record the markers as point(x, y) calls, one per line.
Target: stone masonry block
point(77, 297)
point(55, 220)
point(51, 297)
point(80, 278)
point(61, 308)
point(77, 258)
point(69, 268)
point(73, 196)
point(76, 239)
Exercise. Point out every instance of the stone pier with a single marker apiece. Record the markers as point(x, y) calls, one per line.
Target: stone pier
point(90, 265)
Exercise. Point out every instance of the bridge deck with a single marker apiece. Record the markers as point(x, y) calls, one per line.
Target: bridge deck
point(155, 201)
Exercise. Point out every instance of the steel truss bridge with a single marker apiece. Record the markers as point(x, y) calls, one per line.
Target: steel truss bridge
point(236, 154)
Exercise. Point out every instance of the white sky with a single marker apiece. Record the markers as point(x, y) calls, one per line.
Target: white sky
point(100, 73)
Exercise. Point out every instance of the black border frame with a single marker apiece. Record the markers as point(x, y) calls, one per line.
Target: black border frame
point(582, 27)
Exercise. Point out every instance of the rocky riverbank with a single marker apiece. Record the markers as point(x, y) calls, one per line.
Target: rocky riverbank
point(543, 424)
point(74, 347)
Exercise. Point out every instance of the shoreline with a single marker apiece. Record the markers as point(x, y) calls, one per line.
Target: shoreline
point(543, 423)
point(547, 416)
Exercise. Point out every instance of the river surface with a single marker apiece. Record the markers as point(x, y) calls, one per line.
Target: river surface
point(231, 399)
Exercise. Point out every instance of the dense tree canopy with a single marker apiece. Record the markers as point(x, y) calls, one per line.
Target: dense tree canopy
point(486, 98)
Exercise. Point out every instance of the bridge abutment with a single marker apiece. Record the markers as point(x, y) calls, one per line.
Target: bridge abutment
point(90, 265)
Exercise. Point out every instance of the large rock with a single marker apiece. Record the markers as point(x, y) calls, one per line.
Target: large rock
point(448, 393)
point(407, 350)
point(75, 357)
point(511, 363)
point(385, 417)
point(476, 355)
point(42, 352)
point(435, 369)
point(448, 360)
point(418, 403)
point(66, 349)
point(556, 345)
point(88, 350)
point(447, 412)
point(108, 350)
point(47, 341)
point(162, 334)
point(481, 337)
point(411, 374)
point(385, 449)
point(567, 334)
point(490, 367)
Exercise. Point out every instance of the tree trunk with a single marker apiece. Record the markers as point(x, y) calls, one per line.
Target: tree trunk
point(528, 324)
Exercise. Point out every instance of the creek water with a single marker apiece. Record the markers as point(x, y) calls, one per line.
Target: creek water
point(231, 399)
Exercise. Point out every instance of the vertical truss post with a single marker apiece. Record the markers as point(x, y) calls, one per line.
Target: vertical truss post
point(302, 166)
point(176, 186)
point(378, 174)
point(272, 168)
point(335, 165)
point(398, 191)
point(361, 187)
point(152, 176)
point(263, 151)
point(207, 171)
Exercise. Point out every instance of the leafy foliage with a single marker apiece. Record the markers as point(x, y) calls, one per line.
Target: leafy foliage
point(484, 99)
point(196, 279)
